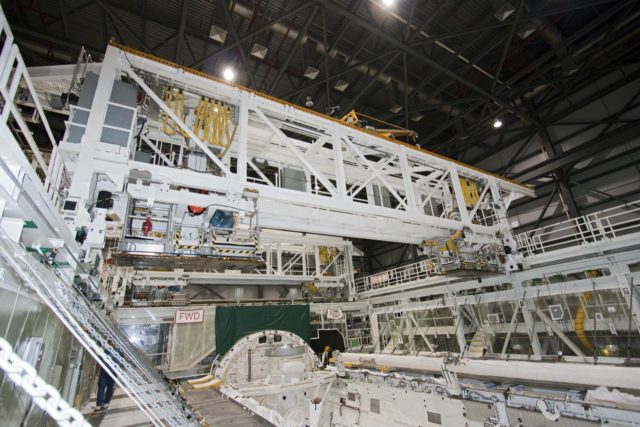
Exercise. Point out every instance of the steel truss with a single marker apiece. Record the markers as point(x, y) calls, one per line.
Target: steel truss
point(526, 303)
point(343, 166)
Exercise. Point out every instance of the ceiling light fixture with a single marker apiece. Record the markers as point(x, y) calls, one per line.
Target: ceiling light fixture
point(497, 123)
point(309, 102)
point(229, 74)
point(388, 3)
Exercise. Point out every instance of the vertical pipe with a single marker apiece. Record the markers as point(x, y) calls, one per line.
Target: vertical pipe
point(630, 280)
point(243, 137)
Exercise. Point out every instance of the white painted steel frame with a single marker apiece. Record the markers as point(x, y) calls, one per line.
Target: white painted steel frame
point(32, 198)
point(340, 169)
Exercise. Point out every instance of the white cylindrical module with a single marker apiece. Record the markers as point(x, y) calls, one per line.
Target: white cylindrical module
point(570, 374)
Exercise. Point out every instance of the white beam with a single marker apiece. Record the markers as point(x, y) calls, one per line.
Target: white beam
point(280, 135)
point(178, 121)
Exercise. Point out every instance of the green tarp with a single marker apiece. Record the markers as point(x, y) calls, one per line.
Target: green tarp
point(233, 323)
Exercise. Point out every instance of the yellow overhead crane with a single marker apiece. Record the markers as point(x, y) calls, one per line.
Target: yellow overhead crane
point(391, 131)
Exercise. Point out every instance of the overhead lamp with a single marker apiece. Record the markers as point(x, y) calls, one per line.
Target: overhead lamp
point(504, 11)
point(218, 34)
point(311, 72)
point(388, 3)
point(497, 123)
point(229, 74)
point(395, 108)
point(259, 51)
point(308, 102)
point(526, 30)
point(341, 85)
point(417, 117)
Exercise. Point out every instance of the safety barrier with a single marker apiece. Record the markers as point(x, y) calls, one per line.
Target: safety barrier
point(31, 180)
point(592, 228)
point(397, 276)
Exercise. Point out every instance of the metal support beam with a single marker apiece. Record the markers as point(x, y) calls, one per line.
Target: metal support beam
point(243, 55)
point(512, 327)
point(157, 151)
point(614, 138)
point(178, 57)
point(178, 121)
point(559, 333)
point(114, 16)
point(293, 12)
point(282, 137)
point(298, 41)
point(402, 46)
point(566, 195)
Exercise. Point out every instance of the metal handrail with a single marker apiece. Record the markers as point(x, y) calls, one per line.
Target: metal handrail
point(90, 326)
point(401, 275)
point(589, 229)
point(585, 230)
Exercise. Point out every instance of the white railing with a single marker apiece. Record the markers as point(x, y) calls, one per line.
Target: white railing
point(589, 229)
point(38, 186)
point(397, 276)
point(14, 78)
point(358, 338)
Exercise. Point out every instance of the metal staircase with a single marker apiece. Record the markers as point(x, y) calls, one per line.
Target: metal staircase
point(477, 344)
point(29, 193)
point(97, 334)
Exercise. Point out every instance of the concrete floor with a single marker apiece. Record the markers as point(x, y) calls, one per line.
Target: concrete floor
point(216, 410)
point(122, 412)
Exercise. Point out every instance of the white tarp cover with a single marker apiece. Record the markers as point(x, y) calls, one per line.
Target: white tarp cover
point(614, 397)
point(192, 342)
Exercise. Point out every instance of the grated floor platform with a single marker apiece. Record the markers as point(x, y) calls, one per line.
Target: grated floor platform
point(218, 411)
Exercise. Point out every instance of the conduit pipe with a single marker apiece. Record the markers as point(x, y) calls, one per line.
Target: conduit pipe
point(579, 323)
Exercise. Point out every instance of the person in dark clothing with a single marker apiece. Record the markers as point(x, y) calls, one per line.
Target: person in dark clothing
point(105, 390)
point(106, 383)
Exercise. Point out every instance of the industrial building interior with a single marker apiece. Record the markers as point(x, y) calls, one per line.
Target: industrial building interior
point(320, 213)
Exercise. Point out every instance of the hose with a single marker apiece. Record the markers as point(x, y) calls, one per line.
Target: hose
point(579, 323)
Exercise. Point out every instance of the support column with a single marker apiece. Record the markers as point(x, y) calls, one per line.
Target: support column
point(83, 175)
point(243, 136)
point(348, 272)
point(375, 332)
point(457, 193)
point(556, 330)
point(628, 290)
point(279, 257)
point(341, 183)
point(412, 206)
point(458, 321)
point(530, 324)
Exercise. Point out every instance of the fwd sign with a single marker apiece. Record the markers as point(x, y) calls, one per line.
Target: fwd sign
point(189, 316)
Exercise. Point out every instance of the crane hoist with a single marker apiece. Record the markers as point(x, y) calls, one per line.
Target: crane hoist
point(385, 129)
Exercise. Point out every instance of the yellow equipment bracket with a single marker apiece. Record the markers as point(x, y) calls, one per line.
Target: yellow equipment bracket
point(213, 122)
point(350, 117)
point(391, 131)
point(469, 191)
point(327, 254)
point(447, 245)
